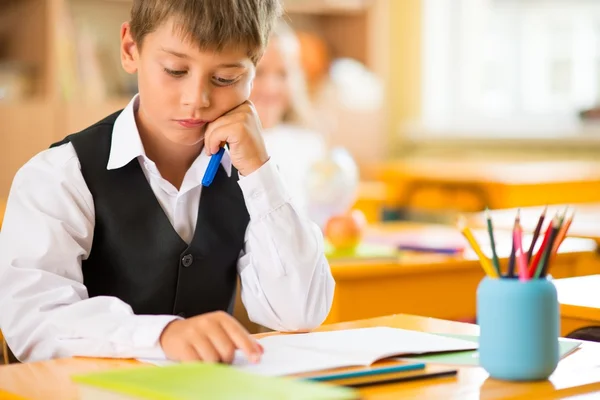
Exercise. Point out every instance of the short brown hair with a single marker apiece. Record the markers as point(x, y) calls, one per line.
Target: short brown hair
point(210, 24)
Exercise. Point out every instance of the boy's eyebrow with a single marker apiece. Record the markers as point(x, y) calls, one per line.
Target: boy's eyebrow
point(175, 53)
point(232, 65)
point(182, 55)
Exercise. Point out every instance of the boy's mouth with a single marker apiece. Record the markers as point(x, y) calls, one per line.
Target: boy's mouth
point(192, 123)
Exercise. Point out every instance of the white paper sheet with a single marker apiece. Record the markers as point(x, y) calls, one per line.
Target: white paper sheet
point(298, 353)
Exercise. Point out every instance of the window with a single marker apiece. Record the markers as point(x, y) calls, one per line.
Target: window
point(510, 68)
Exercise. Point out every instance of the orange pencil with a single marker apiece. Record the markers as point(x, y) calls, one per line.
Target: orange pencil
point(562, 233)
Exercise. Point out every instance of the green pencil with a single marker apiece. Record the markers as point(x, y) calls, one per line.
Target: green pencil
point(492, 242)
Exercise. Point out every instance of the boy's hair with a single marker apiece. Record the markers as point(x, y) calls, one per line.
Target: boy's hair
point(210, 24)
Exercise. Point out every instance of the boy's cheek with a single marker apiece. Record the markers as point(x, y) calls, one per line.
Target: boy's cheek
point(247, 89)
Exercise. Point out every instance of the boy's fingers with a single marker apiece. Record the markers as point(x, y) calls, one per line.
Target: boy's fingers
point(242, 339)
point(223, 344)
point(189, 354)
point(215, 137)
point(205, 349)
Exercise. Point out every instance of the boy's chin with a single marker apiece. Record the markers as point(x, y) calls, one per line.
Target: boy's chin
point(187, 139)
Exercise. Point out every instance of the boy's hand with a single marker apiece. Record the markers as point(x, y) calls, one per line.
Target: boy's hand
point(211, 337)
point(241, 129)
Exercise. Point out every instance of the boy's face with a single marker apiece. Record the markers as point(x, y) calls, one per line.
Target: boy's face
point(182, 88)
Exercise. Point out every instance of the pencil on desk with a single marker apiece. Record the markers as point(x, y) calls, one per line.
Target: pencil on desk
point(536, 234)
point(492, 241)
point(485, 262)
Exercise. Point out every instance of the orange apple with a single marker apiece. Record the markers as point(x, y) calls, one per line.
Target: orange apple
point(344, 231)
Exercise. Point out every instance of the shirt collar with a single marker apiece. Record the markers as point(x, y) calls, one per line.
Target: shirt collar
point(126, 143)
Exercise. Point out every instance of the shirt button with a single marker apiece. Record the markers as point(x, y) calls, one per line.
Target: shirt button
point(187, 260)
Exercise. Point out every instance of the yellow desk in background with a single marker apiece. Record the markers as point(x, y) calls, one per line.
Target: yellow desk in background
point(372, 198)
point(433, 285)
point(575, 377)
point(472, 185)
point(579, 302)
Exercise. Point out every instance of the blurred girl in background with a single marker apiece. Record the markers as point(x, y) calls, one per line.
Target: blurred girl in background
point(281, 99)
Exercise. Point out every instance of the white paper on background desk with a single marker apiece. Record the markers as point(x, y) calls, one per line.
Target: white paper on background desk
point(305, 352)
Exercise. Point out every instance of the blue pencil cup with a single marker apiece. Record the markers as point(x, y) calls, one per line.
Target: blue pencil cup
point(519, 328)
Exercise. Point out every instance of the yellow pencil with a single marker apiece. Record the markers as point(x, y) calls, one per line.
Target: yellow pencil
point(486, 264)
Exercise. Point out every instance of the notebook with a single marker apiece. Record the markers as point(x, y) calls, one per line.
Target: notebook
point(290, 354)
point(201, 381)
point(431, 240)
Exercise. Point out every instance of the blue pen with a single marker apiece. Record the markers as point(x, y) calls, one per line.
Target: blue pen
point(213, 167)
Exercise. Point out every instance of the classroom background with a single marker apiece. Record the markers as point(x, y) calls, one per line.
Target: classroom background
point(425, 122)
point(442, 105)
point(429, 110)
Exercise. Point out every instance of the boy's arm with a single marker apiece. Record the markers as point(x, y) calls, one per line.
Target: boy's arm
point(45, 311)
point(286, 279)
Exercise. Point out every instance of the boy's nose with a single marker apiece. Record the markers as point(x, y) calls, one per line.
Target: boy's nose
point(198, 96)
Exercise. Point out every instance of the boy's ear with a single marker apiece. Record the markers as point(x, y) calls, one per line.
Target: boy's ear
point(129, 50)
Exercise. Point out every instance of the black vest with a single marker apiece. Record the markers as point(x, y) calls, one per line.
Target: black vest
point(137, 255)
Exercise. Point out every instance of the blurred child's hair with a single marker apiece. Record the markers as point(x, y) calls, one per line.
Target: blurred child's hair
point(300, 110)
point(210, 24)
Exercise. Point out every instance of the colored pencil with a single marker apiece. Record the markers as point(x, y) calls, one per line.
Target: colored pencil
point(492, 242)
point(511, 260)
point(538, 255)
point(213, 166)
point(542, 268)
point(519, 254)
point(536, 233)
point(407, 378)
point(483, 260)
point(562, 233)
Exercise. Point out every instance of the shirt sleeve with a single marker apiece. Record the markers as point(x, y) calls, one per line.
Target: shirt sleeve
point(286, 280)
point(46, 312)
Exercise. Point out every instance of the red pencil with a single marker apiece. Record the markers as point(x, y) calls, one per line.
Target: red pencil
point(520, 255)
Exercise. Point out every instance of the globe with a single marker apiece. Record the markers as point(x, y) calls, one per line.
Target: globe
point(331, 185)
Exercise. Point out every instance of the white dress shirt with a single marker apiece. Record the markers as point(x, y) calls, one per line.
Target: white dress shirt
point(45, 311)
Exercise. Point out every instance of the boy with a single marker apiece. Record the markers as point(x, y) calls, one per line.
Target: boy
point(111, 247)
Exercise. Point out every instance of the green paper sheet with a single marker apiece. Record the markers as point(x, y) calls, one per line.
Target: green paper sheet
point(207, 381)
point(471, 357)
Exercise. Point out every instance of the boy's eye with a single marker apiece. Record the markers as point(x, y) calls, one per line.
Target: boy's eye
point(223, 82)
point(174, 73)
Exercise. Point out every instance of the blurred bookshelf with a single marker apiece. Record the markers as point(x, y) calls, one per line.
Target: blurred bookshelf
point(60, 65)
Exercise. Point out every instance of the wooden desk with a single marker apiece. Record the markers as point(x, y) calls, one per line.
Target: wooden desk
point(576, 375)
point(431, 285)
point(579, 302)
point(459, 185)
